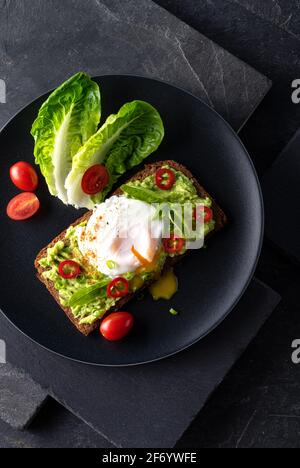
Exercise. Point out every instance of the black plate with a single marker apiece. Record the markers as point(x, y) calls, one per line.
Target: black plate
point(211, 281)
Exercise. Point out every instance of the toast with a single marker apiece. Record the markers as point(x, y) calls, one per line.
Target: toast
point(220, 221)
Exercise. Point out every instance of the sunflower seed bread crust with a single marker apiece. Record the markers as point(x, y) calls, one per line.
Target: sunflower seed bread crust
point(149, 169)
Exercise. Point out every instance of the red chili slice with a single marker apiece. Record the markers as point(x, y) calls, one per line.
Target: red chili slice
point(208, 214)
point(174, 244)
point(95, 179)
point(165, 178)
point(118, 287)
point(69, 269)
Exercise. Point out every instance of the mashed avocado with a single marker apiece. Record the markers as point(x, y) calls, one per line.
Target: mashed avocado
point(183, 191)
point(68, 249)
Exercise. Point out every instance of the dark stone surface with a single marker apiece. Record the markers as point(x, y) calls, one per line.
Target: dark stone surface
point(281, 190)
point(42, 43)
point(20, 397)
point(151, 405)
point(247, 410)
point(266, 34)
point(54, 427)
point(257, 405)
point(158, 45)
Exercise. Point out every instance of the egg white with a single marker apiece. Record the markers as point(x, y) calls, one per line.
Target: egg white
point(116, 226)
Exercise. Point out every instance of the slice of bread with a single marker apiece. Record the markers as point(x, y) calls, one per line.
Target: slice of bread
point(219, 217)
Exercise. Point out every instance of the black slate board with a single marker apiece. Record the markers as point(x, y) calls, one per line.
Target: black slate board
point(150, 405)
point(20, 397)
point(48, 41)
point(135, 37)
point(281, 190)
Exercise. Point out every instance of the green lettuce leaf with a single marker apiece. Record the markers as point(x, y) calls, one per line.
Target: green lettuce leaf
point(65, 122)
point(123, 142)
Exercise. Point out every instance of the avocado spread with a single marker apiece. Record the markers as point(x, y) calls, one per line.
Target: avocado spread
point(182, 191)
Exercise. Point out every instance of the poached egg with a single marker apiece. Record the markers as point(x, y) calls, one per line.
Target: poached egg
point(121, 235)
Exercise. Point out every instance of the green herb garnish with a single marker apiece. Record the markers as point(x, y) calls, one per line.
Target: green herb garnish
point(111, 264)
point(88, 294)
point(173, 312)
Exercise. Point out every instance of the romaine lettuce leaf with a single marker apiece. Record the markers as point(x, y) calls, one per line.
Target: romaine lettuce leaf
point(123, 142)
point(65, 122)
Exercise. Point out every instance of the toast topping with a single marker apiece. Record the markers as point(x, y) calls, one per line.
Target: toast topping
point(99, 246)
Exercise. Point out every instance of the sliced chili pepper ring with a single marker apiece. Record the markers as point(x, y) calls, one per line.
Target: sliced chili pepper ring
point(174, 244)
point(69, 269)
point(208, 214)
point(165, 178)
point(118, 287)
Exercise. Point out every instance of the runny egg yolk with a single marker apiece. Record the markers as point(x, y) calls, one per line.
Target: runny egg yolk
point(136, 283)
point(165, 287)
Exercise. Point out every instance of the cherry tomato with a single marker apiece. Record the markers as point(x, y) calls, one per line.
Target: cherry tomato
point(69, 269)
point(118, 287)
point(174, 244)
point(23, 206)
point(117, 325)
point(95, 179)
point(24, 176)
point(208, 214)
point(165, 178)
